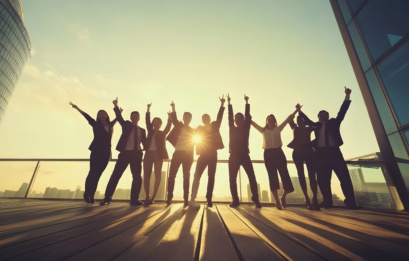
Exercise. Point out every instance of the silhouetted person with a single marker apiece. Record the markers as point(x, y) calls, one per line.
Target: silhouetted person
point(274, 158)
point(130, 153)
point(210, 142)
point(181, 137)
point(329, 156)
point(155, 153)
point(303, 152)
point(100, 150)
point(239, 130)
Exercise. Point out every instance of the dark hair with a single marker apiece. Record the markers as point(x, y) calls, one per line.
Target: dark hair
point(135, 112)
point(158, 119)
point(188, 113)
point(271, 115)
point(321, 111)
point(108, 122)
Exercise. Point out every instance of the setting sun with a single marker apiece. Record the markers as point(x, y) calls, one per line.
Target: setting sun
point(196, 139)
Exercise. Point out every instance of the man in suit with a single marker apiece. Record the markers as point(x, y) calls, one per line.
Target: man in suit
point(239, 131)
point(130, 153)
point(206, 148)
point(181, 137)
point(328, 154)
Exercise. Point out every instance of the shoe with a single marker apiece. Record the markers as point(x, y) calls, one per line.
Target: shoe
point(326, 204)
point(151, 201)
point(310, 206)
point(234, 204)
point(209, 203)
point(283, 202)
point(185, 203)
point(194, 204)
point(278, 205)
point(352, 205)
point(168, 202)
point(256, 202)
point(315, 204)
point(136, 203)
point(104, 202)
point(147, 201)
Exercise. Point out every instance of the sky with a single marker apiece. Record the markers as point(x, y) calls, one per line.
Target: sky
point(279, 53)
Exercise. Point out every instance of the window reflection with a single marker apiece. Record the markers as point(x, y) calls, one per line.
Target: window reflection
point(355, 4)
point(383, 24)
point(394, 73)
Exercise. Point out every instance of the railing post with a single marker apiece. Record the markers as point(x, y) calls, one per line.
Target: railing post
point(32, 179)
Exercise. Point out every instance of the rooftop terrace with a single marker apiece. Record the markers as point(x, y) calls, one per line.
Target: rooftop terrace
point(69, 230)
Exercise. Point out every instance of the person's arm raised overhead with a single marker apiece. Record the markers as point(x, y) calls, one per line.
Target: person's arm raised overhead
point(90, 120)
point(220, 113)
point(289, 119)
point(118, 112)
point(230, 111)
point(345, 105)
point(148, 117)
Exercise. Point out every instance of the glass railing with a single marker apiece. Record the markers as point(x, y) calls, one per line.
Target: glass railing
point(65, 178)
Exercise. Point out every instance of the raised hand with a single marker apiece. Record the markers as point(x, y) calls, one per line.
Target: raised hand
point(228, 99)
point(246, 98)
point(115, 102)
point(347, 90)
point(172, 104)
point(222, 100)
point(149, 106)
point(121, 110)
point(73, 105)
point(298, 107)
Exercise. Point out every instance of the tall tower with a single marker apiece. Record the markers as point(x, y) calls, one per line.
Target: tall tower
point(376, 36)
point(14, 48)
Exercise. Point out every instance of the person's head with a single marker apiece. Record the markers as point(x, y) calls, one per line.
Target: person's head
point(157, 123)
point(135, 117)
point(323, 116)
point(271, 121)
point(187, 118)
point(206, 119)
point(102, 117)
point(239, 119)
point(300, 121)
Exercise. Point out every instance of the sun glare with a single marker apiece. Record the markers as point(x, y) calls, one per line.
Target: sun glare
point(196, 139)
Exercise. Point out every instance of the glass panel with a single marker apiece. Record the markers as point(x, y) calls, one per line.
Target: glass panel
point(359, 47)
point(355, 4)
point(394, 73)
point(404, 169)
point(15, 177)
point(381, 104)
point(383, 24)
point(407, 137)
point(398, 147)
point(344, 10)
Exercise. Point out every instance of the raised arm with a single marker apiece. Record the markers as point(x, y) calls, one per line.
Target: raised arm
point(306, 119)
point(289, 119)
point(221, 111)
point(117, 111)
point(247, 115)
point(148, 122)
point(258, 127)
point(168, 124)
point(173, 115)
point(90, 120)
point(230, 112)
point(345, 105)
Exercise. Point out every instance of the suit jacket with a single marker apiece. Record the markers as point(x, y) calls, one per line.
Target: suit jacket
point(127, 127)
point(239, 136)
point(302, 136)
point(160, 137)
point(332, 126)
point(211, 140)
point(102, 138)
point(177, 129)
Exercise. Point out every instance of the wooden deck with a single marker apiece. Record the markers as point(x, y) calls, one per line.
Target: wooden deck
point(70, 230)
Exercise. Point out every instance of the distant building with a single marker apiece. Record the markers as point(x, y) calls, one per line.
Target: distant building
point(264, 196)
point(14, 48)
point(21, 192)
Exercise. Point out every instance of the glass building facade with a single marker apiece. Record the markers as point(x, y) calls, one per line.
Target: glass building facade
point(376, 36)
point(14, 48)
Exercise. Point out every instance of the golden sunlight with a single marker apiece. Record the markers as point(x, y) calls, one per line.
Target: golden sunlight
point(196, 139)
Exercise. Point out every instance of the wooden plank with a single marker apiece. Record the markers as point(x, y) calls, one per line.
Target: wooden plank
point(147, 246)
point(115, 246)
point(248, 244)
point(275, 236)
point(215, 242)
point(75, 239)
point(324, 237)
